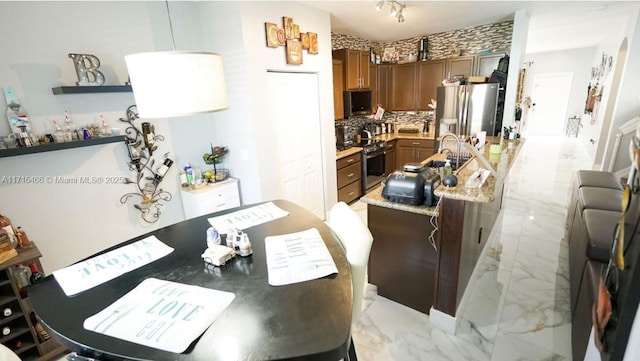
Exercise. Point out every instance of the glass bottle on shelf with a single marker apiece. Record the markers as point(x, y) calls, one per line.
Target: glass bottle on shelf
point(23, 240)
point(5, 224)
point(35, 275)
point(21, 275)
point(43, 335)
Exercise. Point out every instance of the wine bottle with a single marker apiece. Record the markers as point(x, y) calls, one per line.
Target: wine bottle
point(162, 170)
point(35, 275)
point(6, 331)
point(21, 275)
point(43, 335)
point(148, 136)
point(7, 312)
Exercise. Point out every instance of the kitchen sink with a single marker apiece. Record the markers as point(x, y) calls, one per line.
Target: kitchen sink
point(435, 163)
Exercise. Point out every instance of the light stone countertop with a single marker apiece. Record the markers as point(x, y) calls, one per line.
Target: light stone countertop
point(501, 162)
point(347, 152)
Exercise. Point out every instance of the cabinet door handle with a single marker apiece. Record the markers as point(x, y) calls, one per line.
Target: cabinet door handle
point(350, 160)
point(351, 193)
point(350, 175)
point(221, 204)
point(416, 143)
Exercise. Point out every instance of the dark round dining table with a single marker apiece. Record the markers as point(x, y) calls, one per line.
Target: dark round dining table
point(309, 320)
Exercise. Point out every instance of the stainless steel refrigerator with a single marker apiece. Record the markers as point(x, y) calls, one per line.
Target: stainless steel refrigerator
point(467, 109)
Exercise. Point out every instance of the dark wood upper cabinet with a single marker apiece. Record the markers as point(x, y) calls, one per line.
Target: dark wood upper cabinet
point(338, 88)
point(430, 75)
point(403, 87)
point(411, 86)
point(355, 68)
point(461, 65)
point(380, 82)
point(486, 64)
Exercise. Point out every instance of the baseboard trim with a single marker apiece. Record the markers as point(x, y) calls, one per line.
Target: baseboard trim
point(443, 321)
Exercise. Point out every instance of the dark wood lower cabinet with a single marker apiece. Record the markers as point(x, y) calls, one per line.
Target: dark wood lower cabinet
point(407, 269)
point(413, 150)
point(402, 263)
point(390, 157)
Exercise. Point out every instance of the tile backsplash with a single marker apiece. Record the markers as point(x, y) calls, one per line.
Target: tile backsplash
point(400, 119)
point(495, 38)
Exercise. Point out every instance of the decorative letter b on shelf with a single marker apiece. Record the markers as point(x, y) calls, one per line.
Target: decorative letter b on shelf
point(87, 69)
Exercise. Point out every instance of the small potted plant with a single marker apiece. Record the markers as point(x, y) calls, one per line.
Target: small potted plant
point(213, 158)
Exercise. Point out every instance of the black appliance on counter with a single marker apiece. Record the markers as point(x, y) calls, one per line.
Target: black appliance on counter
point(415, 185)
point(344, 137)
point(373, 162)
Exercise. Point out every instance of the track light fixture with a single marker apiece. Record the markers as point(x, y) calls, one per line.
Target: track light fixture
point(395, 8)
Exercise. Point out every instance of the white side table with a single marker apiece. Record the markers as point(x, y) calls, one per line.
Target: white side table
point(211, 198)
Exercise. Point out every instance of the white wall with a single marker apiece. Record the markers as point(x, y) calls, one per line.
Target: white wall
point(238, 29)
point(576, 61)
point(516, 61)
point(627, 103)
point(70, 222)
point(66, 221)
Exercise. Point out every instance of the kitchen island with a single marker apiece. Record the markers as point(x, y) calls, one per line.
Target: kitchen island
point(423, 257)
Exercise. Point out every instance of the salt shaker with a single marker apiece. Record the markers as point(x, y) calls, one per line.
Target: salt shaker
point(245, 246)
point(231, 236)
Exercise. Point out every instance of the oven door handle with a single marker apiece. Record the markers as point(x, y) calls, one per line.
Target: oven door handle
point(375, 154)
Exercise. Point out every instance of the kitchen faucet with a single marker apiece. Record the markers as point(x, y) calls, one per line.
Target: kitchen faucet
point(459, 145)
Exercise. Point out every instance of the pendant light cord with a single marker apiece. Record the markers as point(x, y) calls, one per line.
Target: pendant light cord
point(173, 41)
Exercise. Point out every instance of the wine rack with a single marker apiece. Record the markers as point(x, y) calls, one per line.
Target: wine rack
point(21, 336)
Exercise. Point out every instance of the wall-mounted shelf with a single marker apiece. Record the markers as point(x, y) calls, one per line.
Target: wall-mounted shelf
point(59, 146)
point(91, 89)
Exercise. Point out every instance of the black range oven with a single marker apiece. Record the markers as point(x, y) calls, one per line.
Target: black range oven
point(372, 163)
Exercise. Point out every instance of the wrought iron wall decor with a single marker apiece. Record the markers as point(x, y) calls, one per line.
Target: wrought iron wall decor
point(141, 144)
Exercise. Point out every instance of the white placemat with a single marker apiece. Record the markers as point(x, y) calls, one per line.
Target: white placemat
point(105, 267)
point(297, 257)
point(161, 314)
point(248, 217)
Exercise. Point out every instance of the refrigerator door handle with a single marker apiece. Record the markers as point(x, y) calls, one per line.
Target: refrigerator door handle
point(462, 110)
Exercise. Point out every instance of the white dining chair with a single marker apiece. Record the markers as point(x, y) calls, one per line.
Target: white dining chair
point(357, 240)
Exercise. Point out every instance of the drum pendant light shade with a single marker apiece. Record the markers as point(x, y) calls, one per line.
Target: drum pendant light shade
point(177, 83)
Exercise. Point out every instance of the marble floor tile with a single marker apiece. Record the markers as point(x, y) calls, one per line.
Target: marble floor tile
point(510, 349)
point(516, 306)
point(538, 312)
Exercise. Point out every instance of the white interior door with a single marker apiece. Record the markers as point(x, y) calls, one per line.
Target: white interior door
point(295, 106)
point(551, 98)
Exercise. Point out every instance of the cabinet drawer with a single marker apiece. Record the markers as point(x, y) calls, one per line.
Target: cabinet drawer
point(420, 143)
point(390, 145)
point(349, 174)
point(350, 192)
point(346, 161)
point(212, 199)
